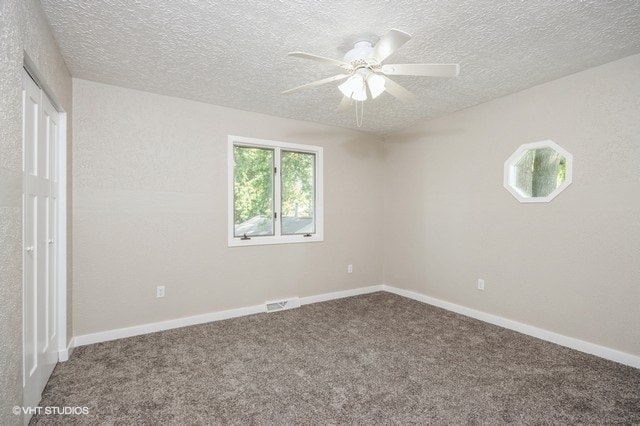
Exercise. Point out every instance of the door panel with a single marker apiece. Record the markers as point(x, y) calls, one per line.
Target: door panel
point(31, 112)
point(40, 130)
point(30, 293)
point(50, 358)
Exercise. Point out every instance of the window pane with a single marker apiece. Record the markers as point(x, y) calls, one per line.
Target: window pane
point(253, 191)
point(298, 192)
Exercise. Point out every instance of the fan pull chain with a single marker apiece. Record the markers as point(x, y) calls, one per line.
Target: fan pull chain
point(359, 117)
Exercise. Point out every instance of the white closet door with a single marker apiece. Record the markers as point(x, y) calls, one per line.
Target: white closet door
point(49, 306)
point(40, 130)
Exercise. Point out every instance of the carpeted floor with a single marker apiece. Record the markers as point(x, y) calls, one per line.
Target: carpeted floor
point(371, 359)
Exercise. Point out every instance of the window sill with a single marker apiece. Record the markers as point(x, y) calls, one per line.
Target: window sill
point(261, 241)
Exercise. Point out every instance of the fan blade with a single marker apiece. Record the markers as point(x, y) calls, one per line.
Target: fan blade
point(388, 44)
point(345, 104)
point(397, 91)
point(319, 59)
point(429, 70)
point(317, 83)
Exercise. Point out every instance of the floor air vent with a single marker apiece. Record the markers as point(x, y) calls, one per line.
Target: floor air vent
point(282, 305)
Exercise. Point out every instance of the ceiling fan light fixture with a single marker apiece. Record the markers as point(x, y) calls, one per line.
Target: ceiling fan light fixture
point(354, 88)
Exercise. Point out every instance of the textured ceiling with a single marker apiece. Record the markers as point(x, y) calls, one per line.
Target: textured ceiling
point(234, 53)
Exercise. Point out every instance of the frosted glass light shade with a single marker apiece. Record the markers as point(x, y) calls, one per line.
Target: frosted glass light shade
point(376, 85)
point(354, 88)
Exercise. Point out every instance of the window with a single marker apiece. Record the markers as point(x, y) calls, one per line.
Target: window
point(275, 192)
point(537, 172)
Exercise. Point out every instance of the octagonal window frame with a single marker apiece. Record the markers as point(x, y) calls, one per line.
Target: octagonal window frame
point(510, 164)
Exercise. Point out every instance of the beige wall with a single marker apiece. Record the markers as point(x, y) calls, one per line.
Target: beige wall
point(150, 208)
point(23, 29)
point(571, 266)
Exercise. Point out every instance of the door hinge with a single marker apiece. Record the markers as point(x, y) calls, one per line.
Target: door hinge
point(275, 215)
point(275, 170)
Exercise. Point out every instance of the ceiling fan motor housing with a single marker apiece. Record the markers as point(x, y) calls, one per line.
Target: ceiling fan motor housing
point(360, 50)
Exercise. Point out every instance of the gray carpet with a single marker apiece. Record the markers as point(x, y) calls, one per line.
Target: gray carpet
point(371, 359)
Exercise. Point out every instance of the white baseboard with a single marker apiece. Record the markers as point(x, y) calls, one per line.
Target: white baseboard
point(549, 336)
point(121, 333)
point(339, 294)
point(64, 354)
point(570, 342)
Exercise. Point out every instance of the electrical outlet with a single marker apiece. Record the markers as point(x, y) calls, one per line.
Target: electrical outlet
point(480, 284)
point(160, 291)
point(349, 269)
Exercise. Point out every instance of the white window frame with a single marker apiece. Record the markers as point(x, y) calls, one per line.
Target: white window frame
point(278, 238)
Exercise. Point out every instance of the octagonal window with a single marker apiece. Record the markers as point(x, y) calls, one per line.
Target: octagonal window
point(538, 172)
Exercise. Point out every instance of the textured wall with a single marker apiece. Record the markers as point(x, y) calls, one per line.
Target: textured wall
point(23, 28)
point(12, 41)
point(150, 208)
point(570, 266)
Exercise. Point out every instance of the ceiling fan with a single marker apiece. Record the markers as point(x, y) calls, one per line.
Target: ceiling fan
point(366, 75)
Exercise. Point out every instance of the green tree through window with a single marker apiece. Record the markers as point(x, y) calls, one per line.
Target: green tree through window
point(253, 190)
point(298, 176)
